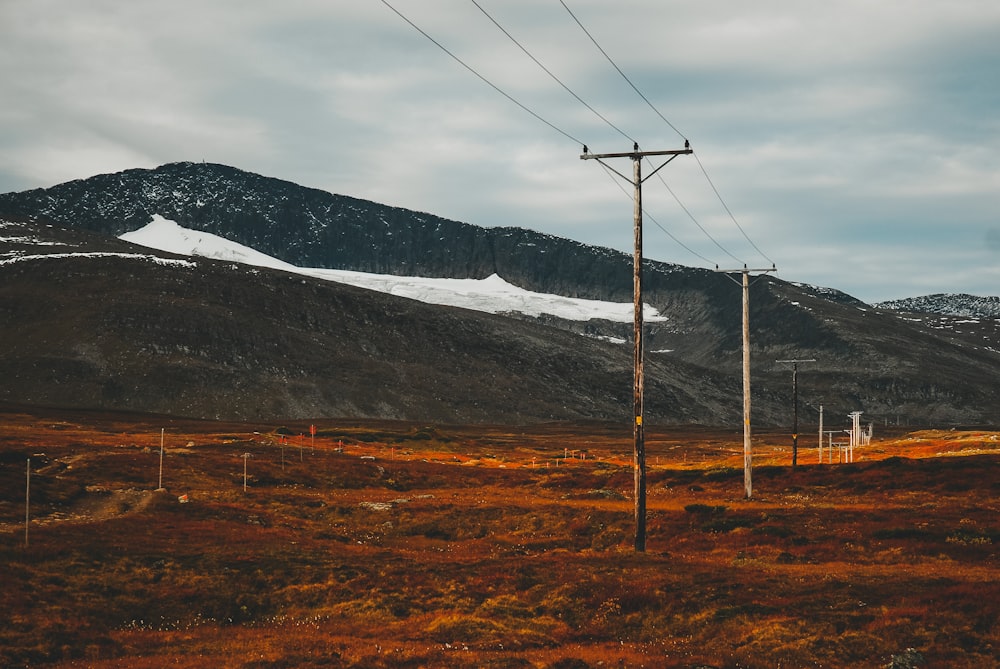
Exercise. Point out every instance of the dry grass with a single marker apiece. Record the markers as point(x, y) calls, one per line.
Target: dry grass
point(395, 545)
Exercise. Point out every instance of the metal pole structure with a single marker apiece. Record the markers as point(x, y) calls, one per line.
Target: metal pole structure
point(747, 448)
point(638, 381)
point(795, 407)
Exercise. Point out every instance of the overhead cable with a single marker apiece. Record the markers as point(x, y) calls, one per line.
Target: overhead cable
point(549, 72)
point(615, 65)
point(481, 77)
point(608, 171)
point(726, 207)
point(664, 118)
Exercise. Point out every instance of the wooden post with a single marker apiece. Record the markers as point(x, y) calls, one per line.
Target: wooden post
point(821, 434)
point(159, 483)
point(638, 433)
point(795, 416)
point(747, 449)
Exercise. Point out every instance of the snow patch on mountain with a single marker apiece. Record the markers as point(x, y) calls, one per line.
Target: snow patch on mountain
point(491, 295)
point(100, 254)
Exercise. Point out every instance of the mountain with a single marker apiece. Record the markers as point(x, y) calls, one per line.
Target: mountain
point(94, 321)
point(948, 304)
point(880, 361)
point(312, 228)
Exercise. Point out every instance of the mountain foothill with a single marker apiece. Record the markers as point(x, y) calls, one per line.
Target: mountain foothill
point(91, 321)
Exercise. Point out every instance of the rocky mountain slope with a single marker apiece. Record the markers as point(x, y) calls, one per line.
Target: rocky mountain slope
point(91, 321)
point(948, 304)
point(883, 362)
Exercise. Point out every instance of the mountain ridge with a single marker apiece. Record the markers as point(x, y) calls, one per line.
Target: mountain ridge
point(947, 304)
point(99, 322)
point(884, 362)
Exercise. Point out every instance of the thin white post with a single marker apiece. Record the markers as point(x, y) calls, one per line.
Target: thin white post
point(159, 485)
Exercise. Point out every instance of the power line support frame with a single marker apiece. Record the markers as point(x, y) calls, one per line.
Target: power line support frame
point(638, 429)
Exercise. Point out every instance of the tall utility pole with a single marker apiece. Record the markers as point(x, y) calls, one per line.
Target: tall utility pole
point(747, 450)
point(638, 433)
point(795, 407)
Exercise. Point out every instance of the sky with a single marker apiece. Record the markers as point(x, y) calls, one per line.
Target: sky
point(491, 295)
point(852, 144)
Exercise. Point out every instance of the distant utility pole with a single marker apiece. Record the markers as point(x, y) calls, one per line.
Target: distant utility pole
point(821, 434)
point(795, 408)
point(747, 451)
point(245, 456)
point(27, 503)
point(638, 434)
point(159, 485)
point(855, 417)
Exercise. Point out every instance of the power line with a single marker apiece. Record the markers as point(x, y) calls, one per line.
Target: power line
point(620, 131)
point(481, 77)
point(674, 128)
point(615, 65)
point(695, 220)
point(615, 127)
point(655, 222)
point(592, 110)
point(549, 72)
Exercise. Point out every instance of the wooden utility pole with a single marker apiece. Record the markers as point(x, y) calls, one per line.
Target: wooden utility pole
point(855, 417)
point(159, 484)
point(638, 431)
point(747, 450)
point(27, 503)
point(821, 434)
point(795, 408)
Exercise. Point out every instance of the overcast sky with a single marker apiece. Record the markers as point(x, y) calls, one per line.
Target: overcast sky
point(856, 143)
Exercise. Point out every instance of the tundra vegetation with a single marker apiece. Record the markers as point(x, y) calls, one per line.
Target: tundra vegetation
point(402, 545)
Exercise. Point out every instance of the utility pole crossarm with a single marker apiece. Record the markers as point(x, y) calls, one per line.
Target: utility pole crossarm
point(747, 448)
point(636, 154)
point(772, 268)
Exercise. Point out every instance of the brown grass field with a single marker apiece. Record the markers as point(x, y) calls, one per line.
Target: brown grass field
point(402, 545)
